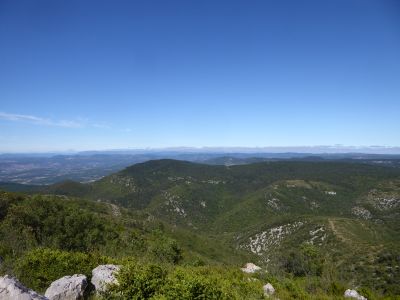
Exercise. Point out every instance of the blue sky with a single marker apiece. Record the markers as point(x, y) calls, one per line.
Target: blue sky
point(118, 74)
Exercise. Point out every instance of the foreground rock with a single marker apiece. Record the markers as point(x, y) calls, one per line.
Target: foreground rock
point(67, 288)
point(104, 275)
point(353, 294)
point(12, 289)
point(250, 268)
point(268, 289)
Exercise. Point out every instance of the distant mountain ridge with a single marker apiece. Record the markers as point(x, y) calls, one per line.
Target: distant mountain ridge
point(321, 149)
point(39, 170)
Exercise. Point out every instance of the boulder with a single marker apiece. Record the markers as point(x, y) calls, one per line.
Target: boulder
point(250, 268)
point(104, 275)
point(12, 289)
point(67, 288)
point(353, 294)
point(268, 289)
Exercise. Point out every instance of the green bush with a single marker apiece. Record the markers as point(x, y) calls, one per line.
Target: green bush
point(366, 292)
point(164, 249)
point(210, 283)
point(306, 262)
point(292, 290)
point(6, 199)
point(138, 281)
point(50, 222)
point(336, 288)
point(39, 267)
point(149, 281)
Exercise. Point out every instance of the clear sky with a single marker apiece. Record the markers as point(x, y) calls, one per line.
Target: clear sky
point(118, 74)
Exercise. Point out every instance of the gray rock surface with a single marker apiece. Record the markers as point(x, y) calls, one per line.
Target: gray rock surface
point(250, 268)
point(353, 294)
point(104, 275)
point(67, 288)
point(12, 289)
point(268, 289)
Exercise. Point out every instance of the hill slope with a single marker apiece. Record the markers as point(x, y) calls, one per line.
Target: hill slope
point(309, 218)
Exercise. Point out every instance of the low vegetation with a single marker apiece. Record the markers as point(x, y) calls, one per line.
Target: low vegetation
point(182, 230)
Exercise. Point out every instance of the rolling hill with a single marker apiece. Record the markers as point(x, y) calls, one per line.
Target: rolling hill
point(276, 213)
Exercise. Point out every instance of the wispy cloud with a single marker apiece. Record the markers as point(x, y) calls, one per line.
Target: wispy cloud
point(48, 122)
point(100, 125)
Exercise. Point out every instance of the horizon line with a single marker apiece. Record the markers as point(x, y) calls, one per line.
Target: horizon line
point(315, 149)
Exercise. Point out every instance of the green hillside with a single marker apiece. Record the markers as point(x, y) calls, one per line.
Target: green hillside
point(316, 227)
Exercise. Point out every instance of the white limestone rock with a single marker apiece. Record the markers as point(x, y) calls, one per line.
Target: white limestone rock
point(67, 288)
point(268, 289)
point(104, 275)
point(361, 212)
point(332, 193)
point(12, 289)
point(353, 294)
point(263, 242)
point(250, 268)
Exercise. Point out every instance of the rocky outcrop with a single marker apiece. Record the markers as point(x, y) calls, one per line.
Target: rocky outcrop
point(353, 294)
point(361, 212)
point(104, 275)
point(268, 289)
point(250, 268)
point(67, 288)
point(264, 242)
point(12, 289)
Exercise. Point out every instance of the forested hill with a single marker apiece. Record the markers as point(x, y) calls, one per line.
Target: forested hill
point(317, 226)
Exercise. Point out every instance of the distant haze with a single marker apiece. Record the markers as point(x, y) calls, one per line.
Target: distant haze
point(256, 150)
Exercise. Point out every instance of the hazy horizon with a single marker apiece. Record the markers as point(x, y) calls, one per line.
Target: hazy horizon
point(321, 149)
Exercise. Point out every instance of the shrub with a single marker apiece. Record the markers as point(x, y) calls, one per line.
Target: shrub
point(164, 249)
point(46, 222)
point(39, 267)
point(138, 281)
point(305, 262)
point(293, 289)
point(336, 288)
point(149, 281)
point(210, 283)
